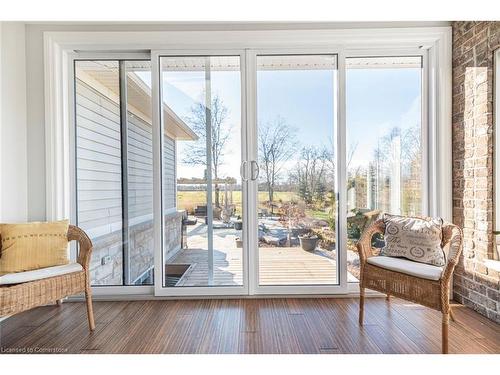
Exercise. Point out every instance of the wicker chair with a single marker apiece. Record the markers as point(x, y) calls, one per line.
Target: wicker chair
point(16, 298)
point(429, 293)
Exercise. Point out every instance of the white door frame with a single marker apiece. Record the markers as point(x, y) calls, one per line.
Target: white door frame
point(339, 134)
point(159, 289)
point(59, 45)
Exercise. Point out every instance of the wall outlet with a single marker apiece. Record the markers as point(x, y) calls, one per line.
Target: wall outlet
point(105, 260)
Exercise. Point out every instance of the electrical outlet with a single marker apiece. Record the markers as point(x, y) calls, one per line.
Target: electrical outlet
point(105, 260)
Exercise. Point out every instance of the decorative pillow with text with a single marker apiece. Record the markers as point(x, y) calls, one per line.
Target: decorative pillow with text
point(417, 239)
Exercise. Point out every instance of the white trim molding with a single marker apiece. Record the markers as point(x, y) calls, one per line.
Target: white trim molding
point(57, 130)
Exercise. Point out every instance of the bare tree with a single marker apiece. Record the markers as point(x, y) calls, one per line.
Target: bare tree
point(350, 153)
point(196, 154)
point(276, 145)
point(311, 171)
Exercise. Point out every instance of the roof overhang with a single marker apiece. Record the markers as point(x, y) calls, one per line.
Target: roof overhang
point(103, 76)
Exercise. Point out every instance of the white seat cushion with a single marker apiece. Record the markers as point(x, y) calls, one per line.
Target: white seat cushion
point(422, 270)
point(42, 273)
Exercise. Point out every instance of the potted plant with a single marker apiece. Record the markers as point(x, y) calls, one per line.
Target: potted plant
point(308, 241)
point(291, 214)
point(239, 242)
point(238, 223)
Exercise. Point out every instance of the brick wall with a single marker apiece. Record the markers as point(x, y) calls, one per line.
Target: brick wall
point(475, 285)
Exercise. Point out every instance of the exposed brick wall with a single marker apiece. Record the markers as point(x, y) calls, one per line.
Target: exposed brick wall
point(475, 285)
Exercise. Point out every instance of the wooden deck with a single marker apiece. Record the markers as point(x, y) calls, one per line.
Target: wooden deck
point(307, 325)
point(277, 266)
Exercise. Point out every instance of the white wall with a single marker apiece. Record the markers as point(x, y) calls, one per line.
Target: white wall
point(13, 125)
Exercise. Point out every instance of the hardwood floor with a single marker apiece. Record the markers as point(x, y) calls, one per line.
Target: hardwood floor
point(290, 325)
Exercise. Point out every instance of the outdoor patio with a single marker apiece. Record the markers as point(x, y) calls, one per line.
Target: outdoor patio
point(277, 265)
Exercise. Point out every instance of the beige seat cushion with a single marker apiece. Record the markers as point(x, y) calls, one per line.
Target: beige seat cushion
point(408, 267)
point(30, 246)
point(42, 273)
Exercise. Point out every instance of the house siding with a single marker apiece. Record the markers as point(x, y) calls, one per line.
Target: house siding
point(99, 186)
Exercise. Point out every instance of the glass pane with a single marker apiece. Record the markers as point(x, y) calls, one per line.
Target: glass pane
point(139, 249)
point(114, 168)
point(384, 154)
point(98, 166)
point(202, 196)
point(297, 208)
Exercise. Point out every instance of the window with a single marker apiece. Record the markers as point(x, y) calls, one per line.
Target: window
point(384, 143)
point(114, 168)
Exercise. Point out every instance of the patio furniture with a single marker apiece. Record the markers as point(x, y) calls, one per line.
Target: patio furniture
point(200, 211)
point(25, 290)
point(417, 282)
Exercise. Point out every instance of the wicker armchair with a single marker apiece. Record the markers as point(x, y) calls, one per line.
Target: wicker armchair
point(16, 298)
point(429, 293)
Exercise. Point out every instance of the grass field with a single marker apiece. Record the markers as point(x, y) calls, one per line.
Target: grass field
point(188, 200)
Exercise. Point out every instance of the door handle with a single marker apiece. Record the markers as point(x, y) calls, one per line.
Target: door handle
point(243, 170)
point(256, 169)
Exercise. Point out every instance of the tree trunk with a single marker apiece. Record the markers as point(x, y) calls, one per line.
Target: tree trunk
point(271, 197)
point(217, 195)
point(271, 193)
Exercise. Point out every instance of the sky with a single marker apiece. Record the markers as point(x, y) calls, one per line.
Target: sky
point(377, 100)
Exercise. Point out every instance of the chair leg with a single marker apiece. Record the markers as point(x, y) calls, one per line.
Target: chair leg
point(444, 332)
point(59, 302)
point(387, 297)
point(361, 305)
point(90, 309)
point(452, 315)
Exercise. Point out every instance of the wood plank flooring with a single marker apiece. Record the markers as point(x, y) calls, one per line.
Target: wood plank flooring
point(286, 325)
point(277, 266)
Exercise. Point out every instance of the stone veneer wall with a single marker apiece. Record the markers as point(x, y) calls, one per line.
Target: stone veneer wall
point(475, 285)
point(172, 237)
point(141, 247)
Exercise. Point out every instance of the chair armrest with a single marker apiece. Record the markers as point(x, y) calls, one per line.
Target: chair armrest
point(364, 244)
point(452, 237)
point(85, 245)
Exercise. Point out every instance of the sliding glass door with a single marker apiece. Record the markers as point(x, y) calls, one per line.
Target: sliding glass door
point(202, 190)
point(296, 203)
point(244, 172)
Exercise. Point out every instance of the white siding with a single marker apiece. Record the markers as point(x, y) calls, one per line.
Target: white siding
point(140, 168)
point(99, 164)
point(169, 182)
point(98, 152)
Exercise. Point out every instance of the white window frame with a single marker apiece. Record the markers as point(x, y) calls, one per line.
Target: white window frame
point(59, 46)
point(98, 290)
